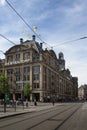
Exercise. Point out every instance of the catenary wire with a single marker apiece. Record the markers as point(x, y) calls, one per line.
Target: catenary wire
point(67, 42)
point(36, 33)
point(24, 20)
point(7, 39)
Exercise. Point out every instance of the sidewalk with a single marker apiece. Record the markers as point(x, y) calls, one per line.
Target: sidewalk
point(20, 109)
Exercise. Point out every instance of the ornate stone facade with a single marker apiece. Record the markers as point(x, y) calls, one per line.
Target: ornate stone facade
point(82, 92)
point(28, 62)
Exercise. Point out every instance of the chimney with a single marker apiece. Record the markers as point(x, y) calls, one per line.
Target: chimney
point(21, 40)
point(41, 44)
point(33, 37)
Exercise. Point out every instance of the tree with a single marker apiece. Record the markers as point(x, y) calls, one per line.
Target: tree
point(4, 84)
point(27, 90)
point(4, 87)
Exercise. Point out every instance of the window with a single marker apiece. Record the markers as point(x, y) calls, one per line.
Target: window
point(17, 56)
point(26, 77)
point(18, 49)
point(36, 69)
point(17, 70)
point(36, 77)
point(36, 85)
point(18, 87)
point(17, 78)
point(26, 69)
point(26, 56)
point(35, 56)
point(9, 71)
point(10, 58)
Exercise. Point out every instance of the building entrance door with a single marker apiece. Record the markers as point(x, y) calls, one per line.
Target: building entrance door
point(36, 96)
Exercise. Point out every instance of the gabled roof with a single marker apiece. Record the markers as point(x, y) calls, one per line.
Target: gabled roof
point(15, 48)
point(26, 45)
point(33, 44)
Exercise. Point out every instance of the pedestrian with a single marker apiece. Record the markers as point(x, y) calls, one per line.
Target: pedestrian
point(53, 102)
point(35, 103)
point(26, 103)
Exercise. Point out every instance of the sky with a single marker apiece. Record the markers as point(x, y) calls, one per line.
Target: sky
point(60, 24)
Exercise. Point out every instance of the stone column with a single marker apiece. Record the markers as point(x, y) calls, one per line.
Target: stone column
point(41, 82)
point(31, 81)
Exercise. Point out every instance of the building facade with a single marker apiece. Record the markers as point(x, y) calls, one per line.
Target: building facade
point(29, 63)
point(82, 92)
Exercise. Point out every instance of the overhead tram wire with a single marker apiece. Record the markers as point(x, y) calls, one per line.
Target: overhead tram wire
point(10, 40)
point(24, 21)
point(27, 24)
point(36, 33)
point(7, 39)
point(67, 42)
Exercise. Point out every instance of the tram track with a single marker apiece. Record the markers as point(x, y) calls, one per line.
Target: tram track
point(66, 119)
point(44, 120)
point(50, 119)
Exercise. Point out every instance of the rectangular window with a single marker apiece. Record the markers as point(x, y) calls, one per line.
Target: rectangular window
point(36, 85)
point(35, 56)
point(26, 77)
point(36, 77)
point(26, 56)
point(26, 69)
point(17, 57)
point(10, 58)
point(17, 70)
point(18, 87)
point(17, 78)
point(9, 71)
point(36, 69)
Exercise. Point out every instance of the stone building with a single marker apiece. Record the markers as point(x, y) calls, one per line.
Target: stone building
point(82, 92)
point(28, 62)
point(2, 62)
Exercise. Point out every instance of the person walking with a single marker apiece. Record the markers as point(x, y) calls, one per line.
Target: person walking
point(53, 102)
point(35, 103)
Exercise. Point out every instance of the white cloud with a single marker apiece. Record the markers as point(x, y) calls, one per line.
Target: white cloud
point(57, 23)
point(2, 2)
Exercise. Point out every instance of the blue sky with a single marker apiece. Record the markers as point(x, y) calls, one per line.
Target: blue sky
point(58, 21)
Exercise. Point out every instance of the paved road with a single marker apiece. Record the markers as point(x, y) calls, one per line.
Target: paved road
point(69, 116)
point(10, 110)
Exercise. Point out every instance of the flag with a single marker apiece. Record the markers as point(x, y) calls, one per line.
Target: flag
point(35, 28)
point(29, 36)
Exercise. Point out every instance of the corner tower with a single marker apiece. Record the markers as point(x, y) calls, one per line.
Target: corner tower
point(61, 61)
